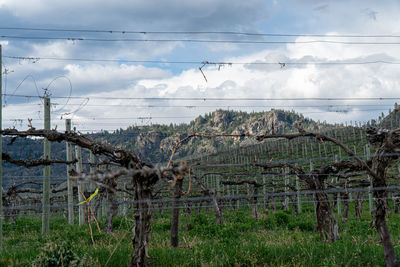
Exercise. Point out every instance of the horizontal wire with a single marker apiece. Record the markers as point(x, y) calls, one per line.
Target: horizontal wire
point(74, 39)
point(202, 32)
point(199, 62)
point(216, 98)
point(230, 197)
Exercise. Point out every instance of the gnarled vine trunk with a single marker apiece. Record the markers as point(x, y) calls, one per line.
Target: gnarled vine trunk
point(379, 165)
point(345, 202)
point(217, 210)
point(175, 212)
point(358, 204)
point(326, 221)
point(142, 226)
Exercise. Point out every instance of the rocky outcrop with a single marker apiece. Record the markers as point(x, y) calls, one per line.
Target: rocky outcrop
point(156, 142)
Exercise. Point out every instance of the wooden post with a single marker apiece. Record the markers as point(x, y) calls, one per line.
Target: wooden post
point(311, 150)
point(314, 198)
point(46, 172)
point(124, 201)
point(370, 200)
point(326, 155)
point(70, 189)
point(81, 210)
point(298, 194)
point(218, 186)
point(104, 199)
point(319, 151)
point(286, 189)
point(175, 212)
point(92, 161)
point(92, 186)
point(1, 152)
point(338, 194)
point(264, 193)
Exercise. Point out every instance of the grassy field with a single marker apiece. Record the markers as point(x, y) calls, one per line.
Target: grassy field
point(274, 240)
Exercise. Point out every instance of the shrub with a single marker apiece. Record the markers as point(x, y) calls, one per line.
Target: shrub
point(302, 226)
point(240, 217)
point(6, 262)
point(268, 223)
point(228, 232)
point(53, 254)
point(161, 226)
point(200, 219)
point(281, 218)
point(208, 231)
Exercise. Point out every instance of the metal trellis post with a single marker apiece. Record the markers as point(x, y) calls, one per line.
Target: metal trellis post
point(78, 154)
point(70, 193)
point(46, 172)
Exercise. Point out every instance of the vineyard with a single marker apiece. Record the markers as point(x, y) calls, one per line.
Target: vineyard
point(199, 133)
point(328, 198)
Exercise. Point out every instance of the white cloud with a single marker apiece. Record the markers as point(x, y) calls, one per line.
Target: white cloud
point(107, 79)
point(99, 74)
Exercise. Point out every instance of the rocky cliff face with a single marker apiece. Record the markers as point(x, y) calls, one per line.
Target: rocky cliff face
point(156, 142)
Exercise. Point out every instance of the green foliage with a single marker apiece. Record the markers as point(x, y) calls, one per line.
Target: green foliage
point(161, 226)
point(201, 219)
point(268, 223)
point(61, 254)
point(278, 239)
point(282, 218)
point(301, 225)
point(120, 222)
point(240, 217)
point(8, 262)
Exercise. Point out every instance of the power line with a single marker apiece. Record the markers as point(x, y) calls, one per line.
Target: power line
point(192, 40)
point(104, 60)
point(232, 106)
point(199, 62)
point(217, 98)
point(143, 32)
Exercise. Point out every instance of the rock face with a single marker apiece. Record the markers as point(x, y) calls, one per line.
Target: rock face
point(156, 142)
point(148, 141)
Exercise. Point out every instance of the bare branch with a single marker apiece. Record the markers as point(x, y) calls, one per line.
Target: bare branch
point(122, 157)
point(34, 163)
point(204, 136)
point(321, 138)
point(254, 183)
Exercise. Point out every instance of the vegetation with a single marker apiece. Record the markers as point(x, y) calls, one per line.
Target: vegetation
point(274, 240)
point(226, 244)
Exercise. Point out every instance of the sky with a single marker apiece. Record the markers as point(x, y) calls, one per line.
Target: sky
point(112, 64)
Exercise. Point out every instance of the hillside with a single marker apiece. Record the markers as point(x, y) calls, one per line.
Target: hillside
point(155, 142)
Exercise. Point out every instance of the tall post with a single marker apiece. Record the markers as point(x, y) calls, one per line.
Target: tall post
point(78, 154)
point(104, 199)
point(314, 197)
point(92, 169)
point(70, 189)
point(370, 200)
point(1, 150)
point(338, 197)
point(175, 212)
point(286, 189)
point(298, 194)
point(92, 161)
point(46, 172)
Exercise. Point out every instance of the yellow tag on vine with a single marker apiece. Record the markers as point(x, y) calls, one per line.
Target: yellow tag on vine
point(91, 197)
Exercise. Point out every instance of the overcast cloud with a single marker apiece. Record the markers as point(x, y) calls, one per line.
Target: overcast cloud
point(272, 70)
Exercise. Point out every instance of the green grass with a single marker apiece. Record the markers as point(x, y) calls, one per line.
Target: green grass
point(275, 240)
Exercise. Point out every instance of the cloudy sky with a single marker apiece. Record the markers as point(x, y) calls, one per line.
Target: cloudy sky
point(112, 64)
